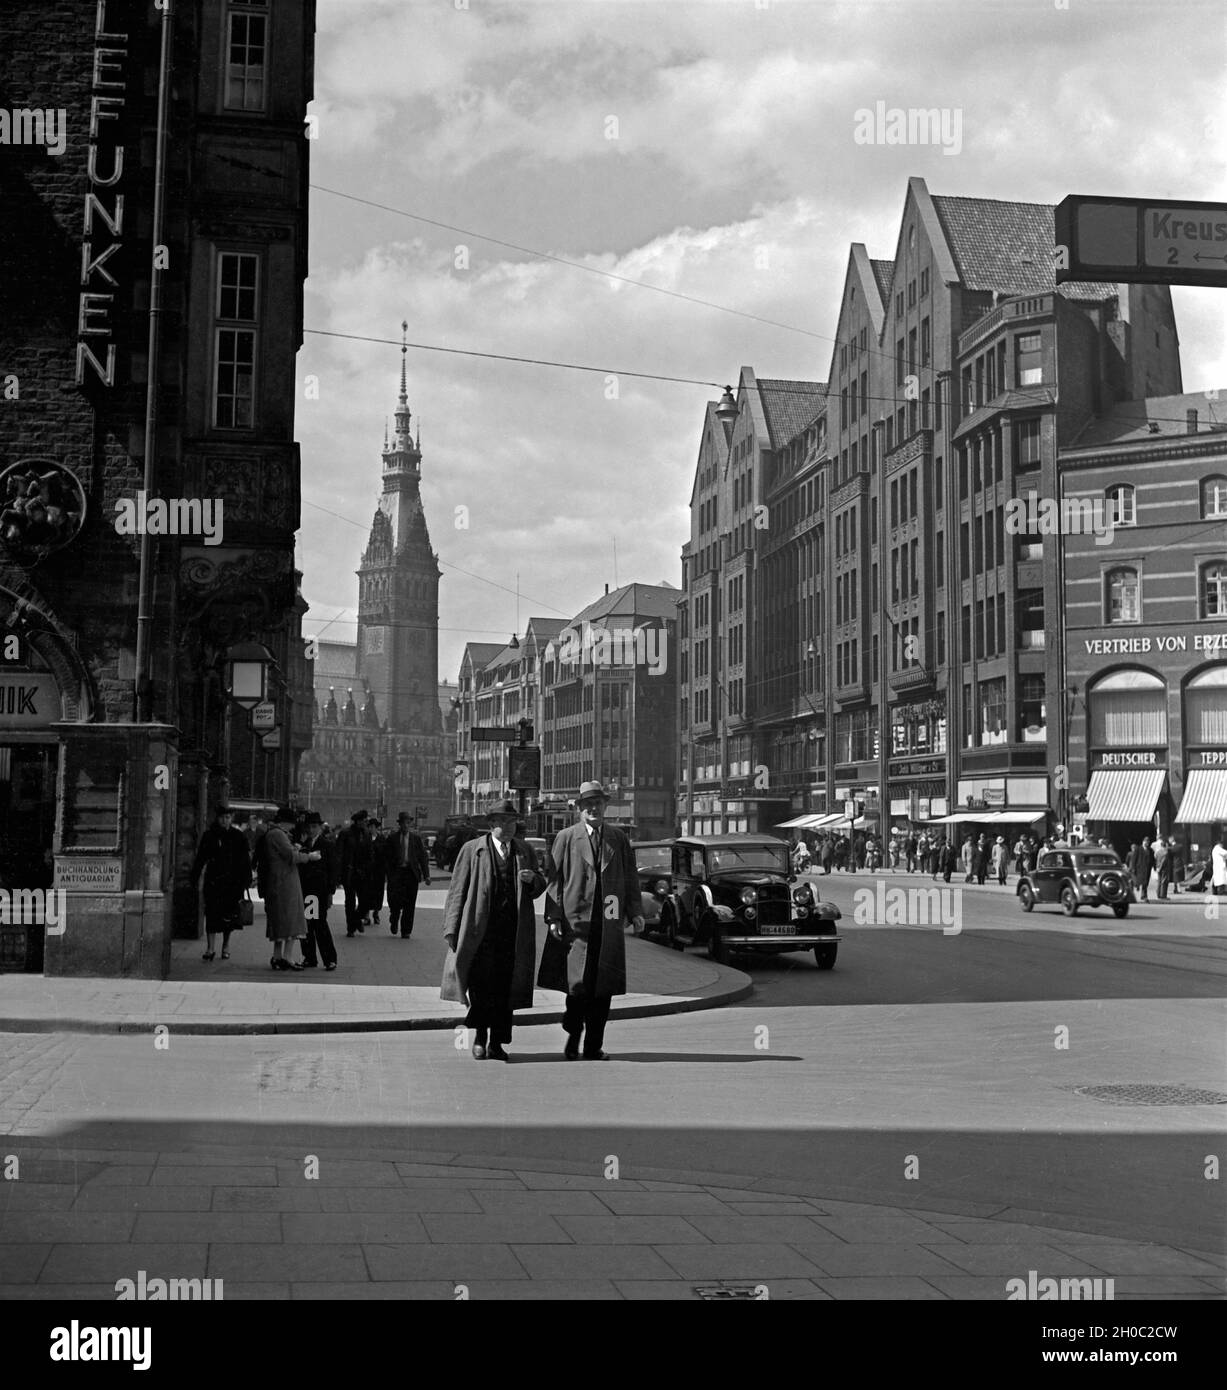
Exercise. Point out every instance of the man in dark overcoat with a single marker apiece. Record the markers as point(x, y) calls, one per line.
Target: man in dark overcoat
point(407, 866)
point(319, 882)
point(225, 863)
point(594, 889)
point(490, 926)
point(354, 845)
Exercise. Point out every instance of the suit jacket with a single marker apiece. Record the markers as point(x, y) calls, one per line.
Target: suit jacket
point(319, 879)
point(466, 915)
point(572, 893)
point(414, 860)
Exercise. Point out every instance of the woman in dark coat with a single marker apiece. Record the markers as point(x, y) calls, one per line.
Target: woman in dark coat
point(490, 927)
point(223, 859)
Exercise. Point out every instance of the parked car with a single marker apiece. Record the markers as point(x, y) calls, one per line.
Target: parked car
point(1078, 877)
point(654, 859)
point(738, 892)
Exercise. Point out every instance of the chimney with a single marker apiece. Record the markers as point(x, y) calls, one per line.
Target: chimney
point(1190, 422)
point(607, 586)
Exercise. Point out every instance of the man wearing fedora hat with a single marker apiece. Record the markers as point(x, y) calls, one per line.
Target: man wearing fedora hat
point(490, 926)
point(319, 882)
point(407, 866)
point(594, 888)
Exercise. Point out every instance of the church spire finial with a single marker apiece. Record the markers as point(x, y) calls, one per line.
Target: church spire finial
point(404, 390)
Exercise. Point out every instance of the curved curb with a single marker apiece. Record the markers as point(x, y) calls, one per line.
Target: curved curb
point(731, 986)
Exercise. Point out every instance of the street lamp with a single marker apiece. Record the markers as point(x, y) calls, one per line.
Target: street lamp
point(247, 668)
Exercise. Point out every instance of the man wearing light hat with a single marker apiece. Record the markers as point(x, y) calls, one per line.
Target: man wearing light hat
point(593, 889)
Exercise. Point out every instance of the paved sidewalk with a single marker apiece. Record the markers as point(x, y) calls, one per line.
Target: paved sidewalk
point(381, 983)
point(278, 1223)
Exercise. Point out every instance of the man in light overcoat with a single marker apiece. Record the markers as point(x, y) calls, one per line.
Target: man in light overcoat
point(490, 926)
point(594, 889)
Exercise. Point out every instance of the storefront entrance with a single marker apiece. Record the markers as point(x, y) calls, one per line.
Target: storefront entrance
point(27, 826)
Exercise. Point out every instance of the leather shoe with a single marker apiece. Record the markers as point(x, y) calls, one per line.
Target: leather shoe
point(479, 1052)
point(596, 1057)
point(571, 1053)
point(497, 1053)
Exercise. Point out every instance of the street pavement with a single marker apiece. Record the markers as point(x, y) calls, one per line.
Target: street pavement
point(822, 1150)
point(381, 982)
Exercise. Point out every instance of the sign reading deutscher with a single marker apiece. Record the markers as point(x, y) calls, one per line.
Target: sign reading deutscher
point(1141, 241)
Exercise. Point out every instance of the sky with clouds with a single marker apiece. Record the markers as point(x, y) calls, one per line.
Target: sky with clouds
point(705, 149)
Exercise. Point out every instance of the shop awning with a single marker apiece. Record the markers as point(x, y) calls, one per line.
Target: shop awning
point(959, 816)
point(821, 822)
point(1015, 817)
point(1124, 795)
point(1205, 797)
point(796, 823)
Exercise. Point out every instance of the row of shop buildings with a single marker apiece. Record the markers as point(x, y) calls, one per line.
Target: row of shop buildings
point(599, 692)
point(978, 576)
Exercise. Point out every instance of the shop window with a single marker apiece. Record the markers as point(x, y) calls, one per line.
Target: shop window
point(1121, 508)
point(993, 712)
point(1214, 497)
point(1128, 709)
point(1123, 596)
point(1214, 590)
point(1205, 706)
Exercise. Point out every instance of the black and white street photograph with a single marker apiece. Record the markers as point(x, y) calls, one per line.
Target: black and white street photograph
point(613, 668)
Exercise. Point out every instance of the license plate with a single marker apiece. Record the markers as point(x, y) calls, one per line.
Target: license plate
point(782, 930)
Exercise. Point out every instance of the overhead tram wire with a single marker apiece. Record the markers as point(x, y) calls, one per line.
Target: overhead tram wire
point(625, 280)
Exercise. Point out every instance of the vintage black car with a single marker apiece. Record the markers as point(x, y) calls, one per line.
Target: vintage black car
point(738, 893)
point(654, 859)
point(1075, 877)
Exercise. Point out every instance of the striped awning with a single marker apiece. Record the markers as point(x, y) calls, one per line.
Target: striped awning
point(1205, 797)
point(796, 822)
point(1124, 794)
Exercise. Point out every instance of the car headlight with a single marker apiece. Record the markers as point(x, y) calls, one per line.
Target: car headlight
point(661, 886)
point(804, 894)
point(751, 913)
point(802, 911)
point(749, 895)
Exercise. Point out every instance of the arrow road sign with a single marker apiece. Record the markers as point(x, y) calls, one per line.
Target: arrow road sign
point(1142, 241)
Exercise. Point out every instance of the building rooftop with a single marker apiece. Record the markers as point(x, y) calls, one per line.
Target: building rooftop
point(790, 406)
point(1157, 417)
point(1007, 247)
point(883, 274)
point(632, 601)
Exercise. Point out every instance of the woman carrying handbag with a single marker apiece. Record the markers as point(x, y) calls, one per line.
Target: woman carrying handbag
point(223, 860)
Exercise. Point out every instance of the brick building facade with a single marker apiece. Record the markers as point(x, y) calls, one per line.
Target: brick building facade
point(192, 486)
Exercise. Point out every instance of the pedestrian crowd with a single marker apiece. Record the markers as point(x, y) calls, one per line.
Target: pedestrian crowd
point(296, 865)
point(986, 858)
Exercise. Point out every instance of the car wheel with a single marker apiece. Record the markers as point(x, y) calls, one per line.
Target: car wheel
point(716, 949)
point(825, 956)
point(1069, 900)
point(1120, 909)
point(1026, 897)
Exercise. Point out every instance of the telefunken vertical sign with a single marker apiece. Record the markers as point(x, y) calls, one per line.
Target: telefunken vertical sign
point(95, 330)
point(1152, 241)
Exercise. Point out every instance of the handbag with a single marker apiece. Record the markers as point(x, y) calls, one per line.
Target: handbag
point(247, 911)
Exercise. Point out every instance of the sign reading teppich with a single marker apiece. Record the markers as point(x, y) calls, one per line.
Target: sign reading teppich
point(28, 700)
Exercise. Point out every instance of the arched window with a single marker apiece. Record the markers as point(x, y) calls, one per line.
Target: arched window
point(1205, 707)
point(1121, 510)
point(1122, 596)
point(1128, 709)
point(1214, 590)
point(1214, 496)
